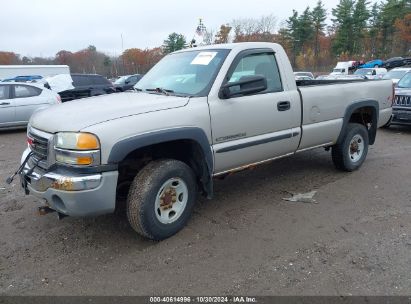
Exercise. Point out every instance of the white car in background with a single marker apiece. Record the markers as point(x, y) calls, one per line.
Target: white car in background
point(303, 75)
point(371, 73)
point(396, 74)
point(18, 101)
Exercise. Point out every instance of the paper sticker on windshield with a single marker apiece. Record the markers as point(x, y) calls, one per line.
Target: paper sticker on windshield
point(204, 58)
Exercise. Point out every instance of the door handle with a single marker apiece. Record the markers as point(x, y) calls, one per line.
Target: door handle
point(4, 103)
point(283, 106)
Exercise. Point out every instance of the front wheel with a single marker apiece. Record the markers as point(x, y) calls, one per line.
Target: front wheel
point(161, 199)
point(350, 154)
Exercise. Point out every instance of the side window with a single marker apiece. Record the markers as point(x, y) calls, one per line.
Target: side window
point(22, 91)
point(263, 64)
point(100, 80)
point(80, 80)
point(4, 92)
point(132, 80)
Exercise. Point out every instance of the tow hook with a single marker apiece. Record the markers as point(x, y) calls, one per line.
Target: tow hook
point(43, 210)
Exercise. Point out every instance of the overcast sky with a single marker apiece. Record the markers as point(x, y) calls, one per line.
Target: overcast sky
point(43, 27)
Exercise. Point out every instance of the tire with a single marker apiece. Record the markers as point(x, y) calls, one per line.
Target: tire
point(376, 66)
point(344, 156)
point(161, 199)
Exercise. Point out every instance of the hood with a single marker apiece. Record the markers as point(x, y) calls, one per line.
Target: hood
point(402, 91)
point(79, 114)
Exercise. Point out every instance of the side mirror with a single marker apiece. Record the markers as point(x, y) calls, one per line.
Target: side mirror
point(127, 82)
point(245, 86)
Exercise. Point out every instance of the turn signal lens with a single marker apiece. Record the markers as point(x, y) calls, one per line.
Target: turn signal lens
point(84, 160)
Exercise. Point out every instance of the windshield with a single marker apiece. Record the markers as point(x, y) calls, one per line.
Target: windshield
point(121, 80)
point(188, 73)
point(405, 81)
point(364, 72)
point(394, 74)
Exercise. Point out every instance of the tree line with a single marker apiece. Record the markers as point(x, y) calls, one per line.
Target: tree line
point(358, 30)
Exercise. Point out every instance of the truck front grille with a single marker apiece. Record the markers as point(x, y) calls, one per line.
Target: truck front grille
point(38, 145)
point(402, 101)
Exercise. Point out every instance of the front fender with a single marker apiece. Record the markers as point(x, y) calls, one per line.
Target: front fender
point(126, 146)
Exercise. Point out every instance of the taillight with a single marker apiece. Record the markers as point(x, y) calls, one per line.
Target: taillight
point(58, 98)
point(393, 95)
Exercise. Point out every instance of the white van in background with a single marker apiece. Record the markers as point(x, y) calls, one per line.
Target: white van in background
point(342, 68)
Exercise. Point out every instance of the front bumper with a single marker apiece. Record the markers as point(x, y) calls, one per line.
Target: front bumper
point(71, 193)
point(401, 116)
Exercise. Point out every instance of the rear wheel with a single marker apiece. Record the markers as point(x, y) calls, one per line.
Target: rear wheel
point(350, 154)
point(161, 199)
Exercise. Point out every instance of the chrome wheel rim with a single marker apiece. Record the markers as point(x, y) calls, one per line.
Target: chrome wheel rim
point(171, 200)
point(356, 148)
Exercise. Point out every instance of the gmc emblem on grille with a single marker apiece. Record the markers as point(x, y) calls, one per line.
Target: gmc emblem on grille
point(32, 143)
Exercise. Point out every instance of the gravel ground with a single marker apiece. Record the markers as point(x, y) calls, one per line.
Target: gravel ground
point(355, 241)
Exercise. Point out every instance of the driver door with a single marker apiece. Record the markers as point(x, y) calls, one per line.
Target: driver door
point(258, 127)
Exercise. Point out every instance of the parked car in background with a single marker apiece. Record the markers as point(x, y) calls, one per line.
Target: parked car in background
point(396, 74)
point(27, 78)
point(371, 73)
point(19, 101)
point(87, 85)
point(303, 78)
point(304, 74)
point(376, 63)
point(127, 82)
point(11, 71)
point(394, 62)
point(322, 77)
point(401, 109)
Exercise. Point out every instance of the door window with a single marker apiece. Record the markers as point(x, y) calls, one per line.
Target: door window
point(99, 80)
point(22, 91)
point(81, 80)
point(262, 64)
point(4, 92)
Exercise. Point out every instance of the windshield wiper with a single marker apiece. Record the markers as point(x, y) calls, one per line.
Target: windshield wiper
point(161, 90)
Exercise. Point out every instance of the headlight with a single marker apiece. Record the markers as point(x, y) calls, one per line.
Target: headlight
point(78, 149)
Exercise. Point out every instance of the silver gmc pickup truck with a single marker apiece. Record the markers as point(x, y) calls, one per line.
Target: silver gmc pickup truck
point(199, 113)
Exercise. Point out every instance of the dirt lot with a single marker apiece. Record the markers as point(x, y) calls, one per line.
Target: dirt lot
point(356, 240)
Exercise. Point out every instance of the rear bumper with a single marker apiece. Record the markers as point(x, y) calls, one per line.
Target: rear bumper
point(71, 193)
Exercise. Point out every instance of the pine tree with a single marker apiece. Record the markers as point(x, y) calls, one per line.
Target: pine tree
point(319, 15)
point(343, 20)
point(391, 10)
point(174, 42)
point(360, 16)
point(293, 35)
point(374, 29)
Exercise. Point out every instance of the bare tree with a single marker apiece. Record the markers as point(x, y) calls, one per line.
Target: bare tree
point(267, 24)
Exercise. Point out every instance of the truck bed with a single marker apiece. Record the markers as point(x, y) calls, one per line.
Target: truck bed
point(304, 83)
point(325, 103)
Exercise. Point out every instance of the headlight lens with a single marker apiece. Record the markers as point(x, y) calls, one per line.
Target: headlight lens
point(77, 141)
point(77, 149)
